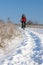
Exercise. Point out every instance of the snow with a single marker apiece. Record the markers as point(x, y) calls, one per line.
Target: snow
point(26, 51)
point(10, 45)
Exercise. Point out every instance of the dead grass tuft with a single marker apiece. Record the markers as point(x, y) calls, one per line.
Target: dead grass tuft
point(7, 31)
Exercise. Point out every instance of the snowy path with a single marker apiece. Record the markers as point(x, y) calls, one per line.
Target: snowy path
point(29, 52)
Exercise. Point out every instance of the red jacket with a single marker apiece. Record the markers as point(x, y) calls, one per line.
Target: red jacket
point(23, 19)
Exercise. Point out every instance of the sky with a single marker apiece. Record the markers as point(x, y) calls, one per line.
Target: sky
point(33, 10)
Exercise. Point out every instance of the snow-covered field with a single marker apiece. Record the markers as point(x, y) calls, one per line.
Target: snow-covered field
point(29, 50)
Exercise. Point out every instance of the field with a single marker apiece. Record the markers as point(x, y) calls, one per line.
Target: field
point(25, 45)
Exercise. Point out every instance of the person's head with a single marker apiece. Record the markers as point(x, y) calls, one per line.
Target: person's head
point(23, 15)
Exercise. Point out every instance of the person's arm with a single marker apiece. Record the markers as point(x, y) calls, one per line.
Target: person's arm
point(26, 18)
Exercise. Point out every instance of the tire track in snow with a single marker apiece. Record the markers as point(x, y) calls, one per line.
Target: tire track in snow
point(37, 50)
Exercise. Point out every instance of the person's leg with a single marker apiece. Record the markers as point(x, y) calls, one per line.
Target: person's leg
point(24, 24)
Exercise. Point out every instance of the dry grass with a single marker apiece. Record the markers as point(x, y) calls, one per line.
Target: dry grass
point(36, 26)
point(7, 31)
